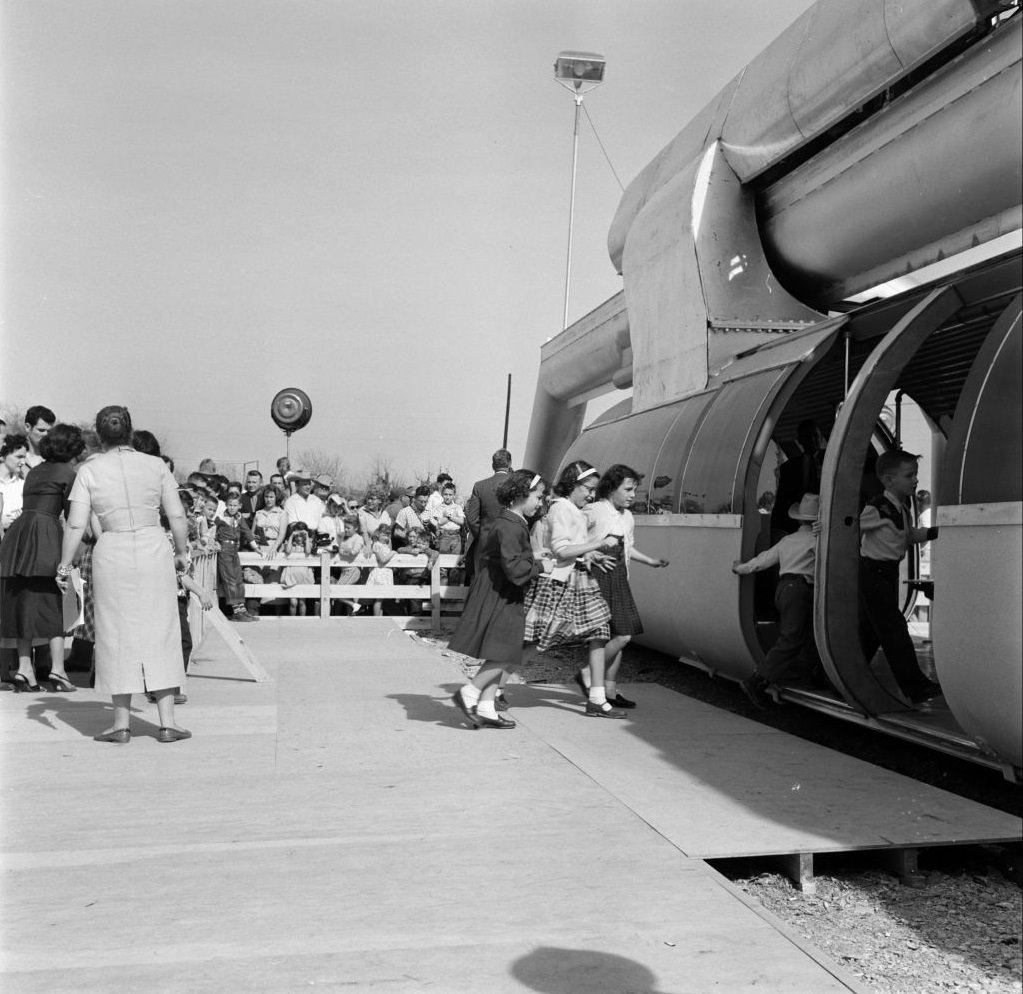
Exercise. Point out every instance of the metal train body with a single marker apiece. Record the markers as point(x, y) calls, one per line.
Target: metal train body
point(871, 139)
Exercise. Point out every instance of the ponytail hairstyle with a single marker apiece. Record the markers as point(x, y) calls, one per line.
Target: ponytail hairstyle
point(569, 477)
point(113, 425)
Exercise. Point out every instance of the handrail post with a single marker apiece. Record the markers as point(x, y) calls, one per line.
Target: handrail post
point(435, 594)
point(325, 585)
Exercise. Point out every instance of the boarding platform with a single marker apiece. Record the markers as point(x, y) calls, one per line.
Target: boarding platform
point(338, 827)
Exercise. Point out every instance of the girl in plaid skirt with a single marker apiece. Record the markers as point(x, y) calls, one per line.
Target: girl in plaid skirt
point(565, 605)
point(609, 516)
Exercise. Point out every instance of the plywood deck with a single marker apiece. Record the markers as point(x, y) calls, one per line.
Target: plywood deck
point(339, 828)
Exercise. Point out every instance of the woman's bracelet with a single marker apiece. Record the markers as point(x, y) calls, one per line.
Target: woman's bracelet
point(64, 570)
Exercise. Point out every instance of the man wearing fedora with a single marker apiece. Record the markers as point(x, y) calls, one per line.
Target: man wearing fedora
point(794, 656)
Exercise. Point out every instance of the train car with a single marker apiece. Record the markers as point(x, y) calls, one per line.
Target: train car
point(872, 139)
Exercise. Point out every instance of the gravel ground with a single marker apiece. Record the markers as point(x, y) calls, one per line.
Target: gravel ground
point(957, 931)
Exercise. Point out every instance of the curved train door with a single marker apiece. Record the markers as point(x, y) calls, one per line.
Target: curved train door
point(836, 613)
point(978, 580)
point(955, 350)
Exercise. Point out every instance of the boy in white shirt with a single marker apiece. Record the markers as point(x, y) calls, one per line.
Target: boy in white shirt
point(794, 656)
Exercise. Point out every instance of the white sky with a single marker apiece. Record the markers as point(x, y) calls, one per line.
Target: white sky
point(205, 201)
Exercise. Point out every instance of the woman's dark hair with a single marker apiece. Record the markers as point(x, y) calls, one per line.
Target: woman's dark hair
point(568, 478)
point(169, 463)
point(11, 444)
point(113, 425)
point(62, 443)
point(277, 492)
point(614, 477)
point(145, 442)
point(517, 486)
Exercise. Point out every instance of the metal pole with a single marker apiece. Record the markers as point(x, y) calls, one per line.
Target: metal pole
point(578, 97)
point(507, 411)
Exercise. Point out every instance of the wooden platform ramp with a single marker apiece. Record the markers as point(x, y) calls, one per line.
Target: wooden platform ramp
point(338, 828)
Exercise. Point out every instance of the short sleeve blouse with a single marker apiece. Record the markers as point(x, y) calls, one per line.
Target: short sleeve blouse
point(125, 489)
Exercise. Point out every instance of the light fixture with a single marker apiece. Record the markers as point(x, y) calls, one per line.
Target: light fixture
point(578, 72)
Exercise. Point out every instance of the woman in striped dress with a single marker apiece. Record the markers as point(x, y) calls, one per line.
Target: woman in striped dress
point(565, 606)
point(609, 515)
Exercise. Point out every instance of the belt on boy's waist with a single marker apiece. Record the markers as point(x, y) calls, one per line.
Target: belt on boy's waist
point(796, 576)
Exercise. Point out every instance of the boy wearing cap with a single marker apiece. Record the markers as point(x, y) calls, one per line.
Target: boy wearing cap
point(794, 656)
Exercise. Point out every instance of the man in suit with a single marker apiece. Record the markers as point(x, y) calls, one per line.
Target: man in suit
point(482, 510)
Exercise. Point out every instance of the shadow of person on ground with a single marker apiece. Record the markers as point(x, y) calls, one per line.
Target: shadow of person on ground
point(88, 717)
point(435, 710)
point(583, 971)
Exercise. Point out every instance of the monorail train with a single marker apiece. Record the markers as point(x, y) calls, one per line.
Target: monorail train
point(872, 139)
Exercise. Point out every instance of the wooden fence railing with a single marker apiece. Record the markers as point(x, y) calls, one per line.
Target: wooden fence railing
point(324, 591)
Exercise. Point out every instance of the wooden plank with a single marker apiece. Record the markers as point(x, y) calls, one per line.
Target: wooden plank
point(356, 830)
point(721, 786)
point(902, 863)
point(798, 867)
point(237, 645)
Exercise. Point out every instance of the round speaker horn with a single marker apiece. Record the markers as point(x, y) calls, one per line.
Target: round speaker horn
point(291, 409)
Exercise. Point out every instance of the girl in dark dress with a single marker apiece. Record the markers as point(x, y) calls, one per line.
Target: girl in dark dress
point(609, 515)
point(31, 604)
point(493, 621)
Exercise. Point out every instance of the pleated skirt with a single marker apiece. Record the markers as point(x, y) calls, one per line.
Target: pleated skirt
point(614, 587)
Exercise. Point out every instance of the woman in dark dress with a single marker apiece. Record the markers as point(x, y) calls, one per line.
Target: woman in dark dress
point(31, 605)
point(493, 621)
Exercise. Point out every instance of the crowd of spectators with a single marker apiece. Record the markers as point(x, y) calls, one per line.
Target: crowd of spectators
point(291, 515)
point(296, 515)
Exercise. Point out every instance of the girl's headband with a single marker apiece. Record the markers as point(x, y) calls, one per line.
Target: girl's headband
point(533, 482)
point(586, 472)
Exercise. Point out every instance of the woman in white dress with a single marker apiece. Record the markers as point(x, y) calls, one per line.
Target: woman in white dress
point(138, 634)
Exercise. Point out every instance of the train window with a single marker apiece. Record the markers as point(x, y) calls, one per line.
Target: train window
point(714, 472)
point(634, 441)
point(665, 483)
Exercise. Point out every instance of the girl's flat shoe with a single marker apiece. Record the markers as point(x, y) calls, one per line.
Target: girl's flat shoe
point(22, 686)
point(172, 735)
point(620, 702)
point(500, 704)
point(499, 722)
point(122, 736)
point(61, 684)
point(583, 689)
point(470, 712)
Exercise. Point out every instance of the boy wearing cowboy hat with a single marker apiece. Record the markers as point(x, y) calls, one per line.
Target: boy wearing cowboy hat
point(794, 656)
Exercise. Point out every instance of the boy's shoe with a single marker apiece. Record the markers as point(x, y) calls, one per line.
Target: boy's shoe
point(500, 703)
point(181, 698)
point(927, 692)
point(755, 687)
point(241, 616)
point(253, 615)
point(602, 711)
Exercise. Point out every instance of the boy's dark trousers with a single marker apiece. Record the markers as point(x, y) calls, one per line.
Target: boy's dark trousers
point(229, 575)
point(186, 632)
point(794, 656)
point(883, 623)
